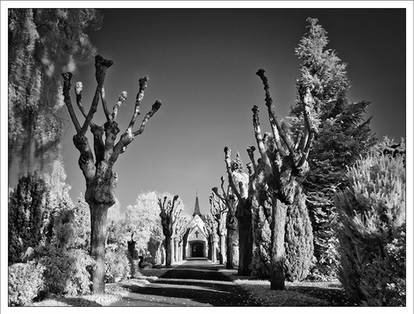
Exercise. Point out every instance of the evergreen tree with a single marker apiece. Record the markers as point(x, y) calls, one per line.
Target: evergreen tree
point(343, 135)
point(28, 216)
point(372, 227)
point(298, 239)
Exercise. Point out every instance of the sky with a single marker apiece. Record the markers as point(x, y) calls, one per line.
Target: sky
point(202, 63)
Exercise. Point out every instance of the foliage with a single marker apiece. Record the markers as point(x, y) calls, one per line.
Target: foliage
point(67, 263)
point(25, 282)
point(372, 230)
point(28, 216)
point(143, 219)
point(343, 135)
point(42, 43)
point(298, 240)
point(67, 271)
point(117, 265)
point(81, 224)
point(261, 261)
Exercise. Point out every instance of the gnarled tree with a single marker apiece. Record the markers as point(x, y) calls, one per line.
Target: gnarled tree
point(232, 237)
point(170, 213)
point(283, 164)
point(239, 183)
point(218, 210)
point(97, 164)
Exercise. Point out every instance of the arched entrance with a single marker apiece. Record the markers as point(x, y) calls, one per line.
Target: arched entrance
point(197, 249)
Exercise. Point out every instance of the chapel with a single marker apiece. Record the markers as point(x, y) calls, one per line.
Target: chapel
point(195, 239)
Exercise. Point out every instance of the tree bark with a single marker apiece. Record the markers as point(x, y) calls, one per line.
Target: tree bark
point(245, 244)
point(277, 274)
point(213, 250)
point(222, 246)
point(168, 251)
point(231, 244)
point(185, 245)
point(98, 234)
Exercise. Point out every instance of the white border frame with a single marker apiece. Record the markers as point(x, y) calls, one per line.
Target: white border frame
point(408, 5)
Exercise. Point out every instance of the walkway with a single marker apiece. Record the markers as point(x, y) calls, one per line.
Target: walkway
point(193, 283)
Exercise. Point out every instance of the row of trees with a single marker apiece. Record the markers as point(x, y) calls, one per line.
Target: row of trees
point(294, 206)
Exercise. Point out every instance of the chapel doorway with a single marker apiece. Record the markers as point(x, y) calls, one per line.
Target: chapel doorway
point(197, 249)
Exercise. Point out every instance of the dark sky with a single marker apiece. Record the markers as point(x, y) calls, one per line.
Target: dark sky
point(202, 65)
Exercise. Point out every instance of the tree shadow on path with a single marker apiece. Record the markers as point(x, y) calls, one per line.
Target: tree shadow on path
point(199, 282)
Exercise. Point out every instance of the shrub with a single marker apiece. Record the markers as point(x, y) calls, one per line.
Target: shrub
point(25, 282)
point(67, 264)
point(28, 216)
point(372, 231)
point(117, 264)
point(67, 272)
point(298, 240)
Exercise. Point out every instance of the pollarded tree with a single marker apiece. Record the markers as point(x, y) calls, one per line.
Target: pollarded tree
point(170, 213)
point(343, 135)
point(218, 210)
point(239, 183)
point(232, 236)
point(261, 218)
point(283, 165)
point(97, 165)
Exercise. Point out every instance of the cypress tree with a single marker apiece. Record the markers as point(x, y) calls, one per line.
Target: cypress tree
point(343, 135)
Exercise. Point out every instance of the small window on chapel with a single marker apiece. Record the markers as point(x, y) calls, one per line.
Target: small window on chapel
point(196, 233)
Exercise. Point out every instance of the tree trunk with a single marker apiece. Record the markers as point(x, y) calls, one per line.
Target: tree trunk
point(230, 247)
point(277, 274)
point(98, 234)
point(175, 250)
point(245, 244)
point(222, 245)
point(185, 245)
point(168, 251)
point(213, 250)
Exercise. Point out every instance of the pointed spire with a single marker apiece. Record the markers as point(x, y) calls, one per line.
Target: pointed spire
point(196, 206)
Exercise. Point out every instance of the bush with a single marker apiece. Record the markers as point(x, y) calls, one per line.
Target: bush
point(372, 231)
point(67, 272)
point(28, 216)
point(117, 264)
point(68, 265)
point(298, 240)
point(25, 282)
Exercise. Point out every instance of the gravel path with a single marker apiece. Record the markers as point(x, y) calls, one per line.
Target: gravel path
point(194, 283)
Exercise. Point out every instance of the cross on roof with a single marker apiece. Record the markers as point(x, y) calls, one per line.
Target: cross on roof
point(196, 233)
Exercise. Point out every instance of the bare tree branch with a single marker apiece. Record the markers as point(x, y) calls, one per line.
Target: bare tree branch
point(121, 99)
point(277, 132)
point(259, 140)
point(104, 104)
point(155, 107)
point(250, 152)
point(78, 92)
point(101, 65)
point(66, 94)
point(140, 96)
point(227, 160)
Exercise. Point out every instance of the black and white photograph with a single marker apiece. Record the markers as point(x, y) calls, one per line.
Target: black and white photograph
point(192, 154)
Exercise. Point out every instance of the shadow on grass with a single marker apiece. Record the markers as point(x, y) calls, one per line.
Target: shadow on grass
point(334, 296)
point(70, 301)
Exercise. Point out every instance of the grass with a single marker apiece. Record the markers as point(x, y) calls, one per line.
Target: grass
point(307, 293)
